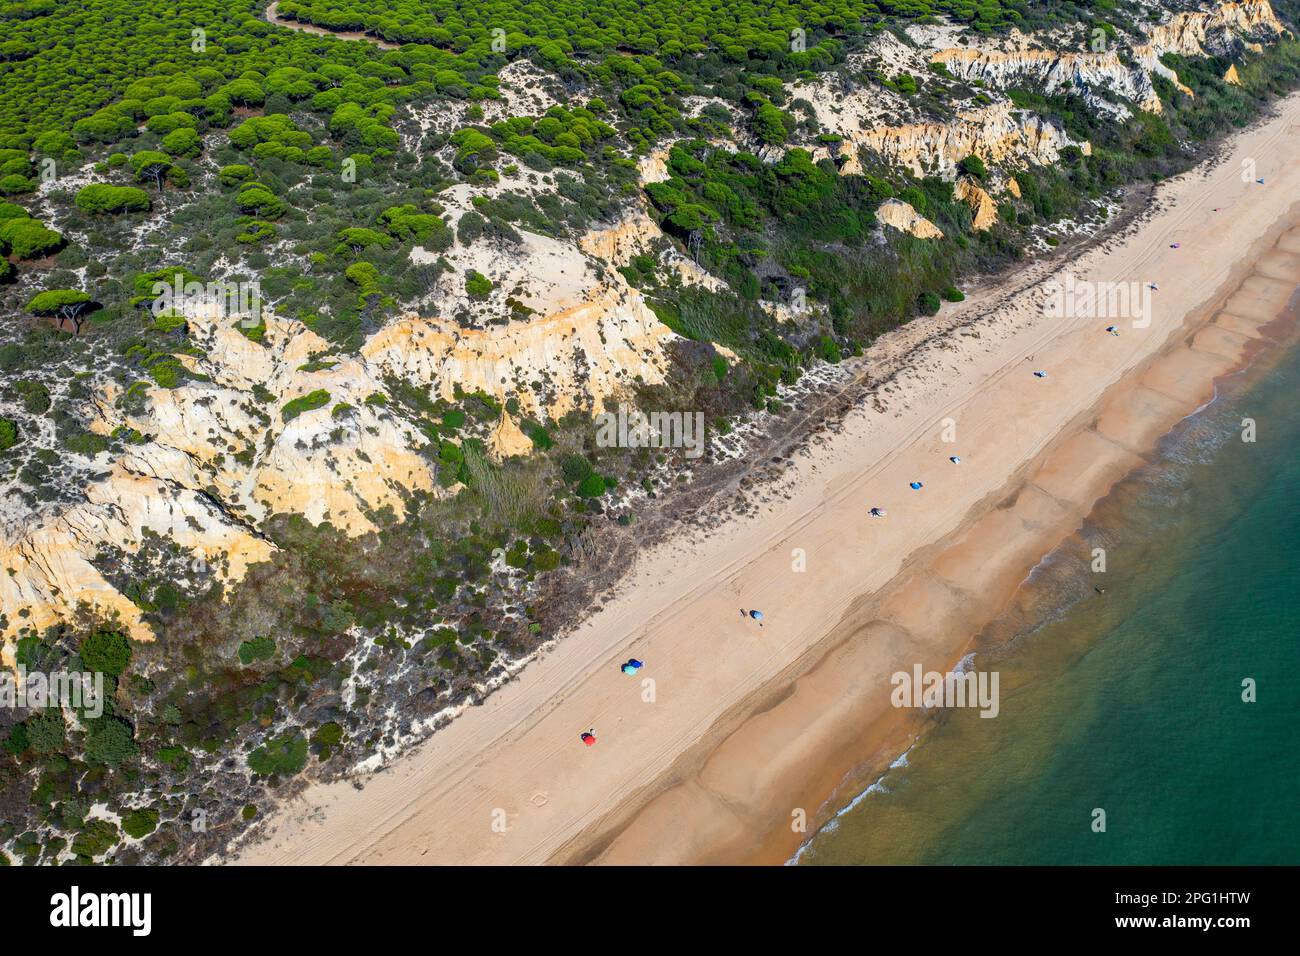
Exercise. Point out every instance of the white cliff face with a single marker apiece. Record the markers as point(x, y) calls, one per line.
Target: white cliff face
point(637, 234)
point(997, 134)
point(216, 461)
point(901, 216)
point(554, 364)
point(47, 568)
point(1055, 71)
point(585, 333)
point(653, 167)
point(843, 104)
point(508, 439)
point(327, 465)
point(1220, 30)
point(984, 211)
point(1216, 31)
point(218, 457)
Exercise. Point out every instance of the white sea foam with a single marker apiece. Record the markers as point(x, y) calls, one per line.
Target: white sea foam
point(878, 787)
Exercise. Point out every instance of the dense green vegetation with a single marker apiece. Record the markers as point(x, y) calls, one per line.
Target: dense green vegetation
point(662, 28)
point(327, 116)
point(301, 161)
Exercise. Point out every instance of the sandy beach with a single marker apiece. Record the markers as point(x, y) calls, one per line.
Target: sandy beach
point(732, 731)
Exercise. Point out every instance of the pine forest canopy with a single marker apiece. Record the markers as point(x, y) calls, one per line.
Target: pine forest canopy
point(60, 62)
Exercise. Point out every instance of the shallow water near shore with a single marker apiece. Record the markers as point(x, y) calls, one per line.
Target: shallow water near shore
point(1131, 701)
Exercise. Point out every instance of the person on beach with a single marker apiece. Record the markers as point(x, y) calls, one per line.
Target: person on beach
point(877, 512)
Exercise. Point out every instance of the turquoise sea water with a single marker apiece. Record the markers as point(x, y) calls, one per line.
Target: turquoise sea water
point(1131, 701)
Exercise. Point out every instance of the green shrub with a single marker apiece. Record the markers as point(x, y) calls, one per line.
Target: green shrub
point(575, 468)
point(169, 322)
point(178, 758)
point(166, 370)
point(362, 274)
point(182, 142)
point(86, 443)
point(95, 839)
point(235, 175)
point(140, 823)
point(593, 486)
point(109, 741)
point(449, 453)
point(304, 403)
point(107, 652)
point(285, 755)
point(15, 183)
point(328, 734)
point(28, 239)
point(256, 230)
point(974, 166)
point(257, 649)
point(103, 198)
point(45, 732)
point(477, 285)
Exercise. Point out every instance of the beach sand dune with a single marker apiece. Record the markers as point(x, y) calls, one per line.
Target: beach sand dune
point(747, 738)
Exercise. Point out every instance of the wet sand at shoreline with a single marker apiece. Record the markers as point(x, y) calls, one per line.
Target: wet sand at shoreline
point(748, 724)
